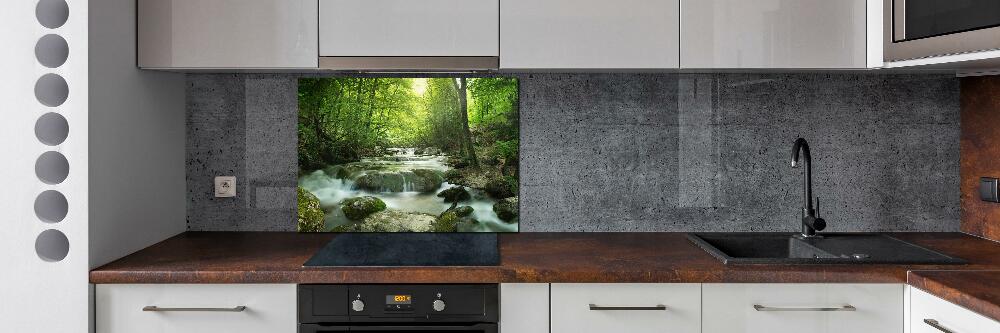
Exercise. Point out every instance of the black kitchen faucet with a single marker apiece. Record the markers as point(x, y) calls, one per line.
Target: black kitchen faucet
point(810, 221)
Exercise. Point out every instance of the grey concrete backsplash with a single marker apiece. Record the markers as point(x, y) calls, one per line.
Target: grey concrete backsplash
point(640, 152)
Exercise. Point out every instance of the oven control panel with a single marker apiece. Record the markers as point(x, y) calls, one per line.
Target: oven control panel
point(398, 303)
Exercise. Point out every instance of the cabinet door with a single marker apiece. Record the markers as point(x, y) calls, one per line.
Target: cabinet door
point(269, 308)
point(408, 28)
point(227, 33)
point(524, 308)
point(589, 34)
point(816, 308)
point(929, 314)
point(626, 307)
point(773, 34)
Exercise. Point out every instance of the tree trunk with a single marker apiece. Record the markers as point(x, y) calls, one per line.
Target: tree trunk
point(463, 109)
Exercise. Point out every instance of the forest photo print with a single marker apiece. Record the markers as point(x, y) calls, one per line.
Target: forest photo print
point(408, 154)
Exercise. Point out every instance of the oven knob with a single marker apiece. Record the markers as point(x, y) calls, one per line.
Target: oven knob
point(358, 305)
point(438, 305)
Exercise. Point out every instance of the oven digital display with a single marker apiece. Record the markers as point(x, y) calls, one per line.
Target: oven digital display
point(398, 299)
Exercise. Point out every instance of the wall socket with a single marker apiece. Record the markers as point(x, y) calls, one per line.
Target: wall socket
point(225, 187)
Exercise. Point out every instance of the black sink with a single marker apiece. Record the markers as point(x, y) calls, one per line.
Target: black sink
point(785, 248)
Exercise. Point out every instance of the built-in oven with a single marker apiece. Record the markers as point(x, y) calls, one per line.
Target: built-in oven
point(928, 28)
point(386, 308)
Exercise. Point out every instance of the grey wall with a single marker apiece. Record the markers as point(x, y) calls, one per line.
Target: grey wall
point(136, 141)
point(641, 152)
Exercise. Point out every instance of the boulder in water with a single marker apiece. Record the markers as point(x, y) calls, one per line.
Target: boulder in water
point(455, 194)
point(455, 219)
point(427, 180)
point(310, 213)
point(418, 180)
point(391, 221)
point(462, 211)
point(359, 207)
point(507, 209)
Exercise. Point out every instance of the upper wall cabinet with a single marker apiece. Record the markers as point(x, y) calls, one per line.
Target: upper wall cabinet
point(365, 33)
point(775, 34)
point(197, 34)
point(589, 34)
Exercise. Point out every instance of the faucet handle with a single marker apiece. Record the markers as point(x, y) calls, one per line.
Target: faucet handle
point(817, 206)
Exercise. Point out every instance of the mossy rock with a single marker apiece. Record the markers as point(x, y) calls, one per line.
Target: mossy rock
point(391, 221)
point(462, 211)
point(447, 222)
point(501, 187)
point(427, 180)
point(418, 180)
point(455, 194)
point(310, 213)
point(507, 209)
point(358, 208)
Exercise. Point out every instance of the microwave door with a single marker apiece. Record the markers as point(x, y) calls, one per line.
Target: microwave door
point(916, 19)
point(916, 29)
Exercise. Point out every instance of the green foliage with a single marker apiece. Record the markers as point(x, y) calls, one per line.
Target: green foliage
point(344, 119)
point(310, 213)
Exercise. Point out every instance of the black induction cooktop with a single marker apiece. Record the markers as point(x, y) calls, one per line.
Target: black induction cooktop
point(409, 249)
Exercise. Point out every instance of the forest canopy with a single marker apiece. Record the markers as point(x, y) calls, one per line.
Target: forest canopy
point(344, 119)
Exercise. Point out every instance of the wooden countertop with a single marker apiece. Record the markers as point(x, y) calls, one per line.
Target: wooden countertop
point(978, 291)
point(277, 257)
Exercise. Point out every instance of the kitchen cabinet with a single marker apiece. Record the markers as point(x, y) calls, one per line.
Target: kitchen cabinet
point(818, 308)
point(254, 34)
point(626, 307)
point(524, 307)
point(406, 28)
point(930, 314)
point(589, 34)
point(778, 34)
point(190, 308)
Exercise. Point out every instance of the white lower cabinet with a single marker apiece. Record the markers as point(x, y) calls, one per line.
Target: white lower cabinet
point(930, 314)
point(196, 308)
point(625, 307)
point(815, 308)
point(524, 307)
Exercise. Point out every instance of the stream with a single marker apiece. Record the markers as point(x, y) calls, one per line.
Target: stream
point(331, 190)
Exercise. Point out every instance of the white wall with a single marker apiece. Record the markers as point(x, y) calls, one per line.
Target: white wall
point(137, 187)
point(38, 295)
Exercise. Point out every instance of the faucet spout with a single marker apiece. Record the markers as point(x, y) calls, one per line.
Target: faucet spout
point(810, 222)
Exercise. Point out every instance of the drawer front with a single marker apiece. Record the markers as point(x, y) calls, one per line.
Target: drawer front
point(571, 310)
point(269, 308)
point(946, 315)
point(730, 308)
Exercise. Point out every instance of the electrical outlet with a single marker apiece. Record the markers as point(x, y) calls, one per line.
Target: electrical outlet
point(225, 187)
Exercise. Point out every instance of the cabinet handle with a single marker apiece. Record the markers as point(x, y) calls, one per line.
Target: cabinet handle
point(240, 308)
point(848, 307)
point(594, 307)
point(935, 324)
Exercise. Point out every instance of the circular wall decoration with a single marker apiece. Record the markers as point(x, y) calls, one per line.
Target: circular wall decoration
point(51, 129)
point(51, 90)
point(52, 245)
point(52, 167)
point(51, 51)
point(51, 206)
point(52, 13)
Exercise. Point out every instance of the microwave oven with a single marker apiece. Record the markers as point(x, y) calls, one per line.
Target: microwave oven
point(915, 29)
